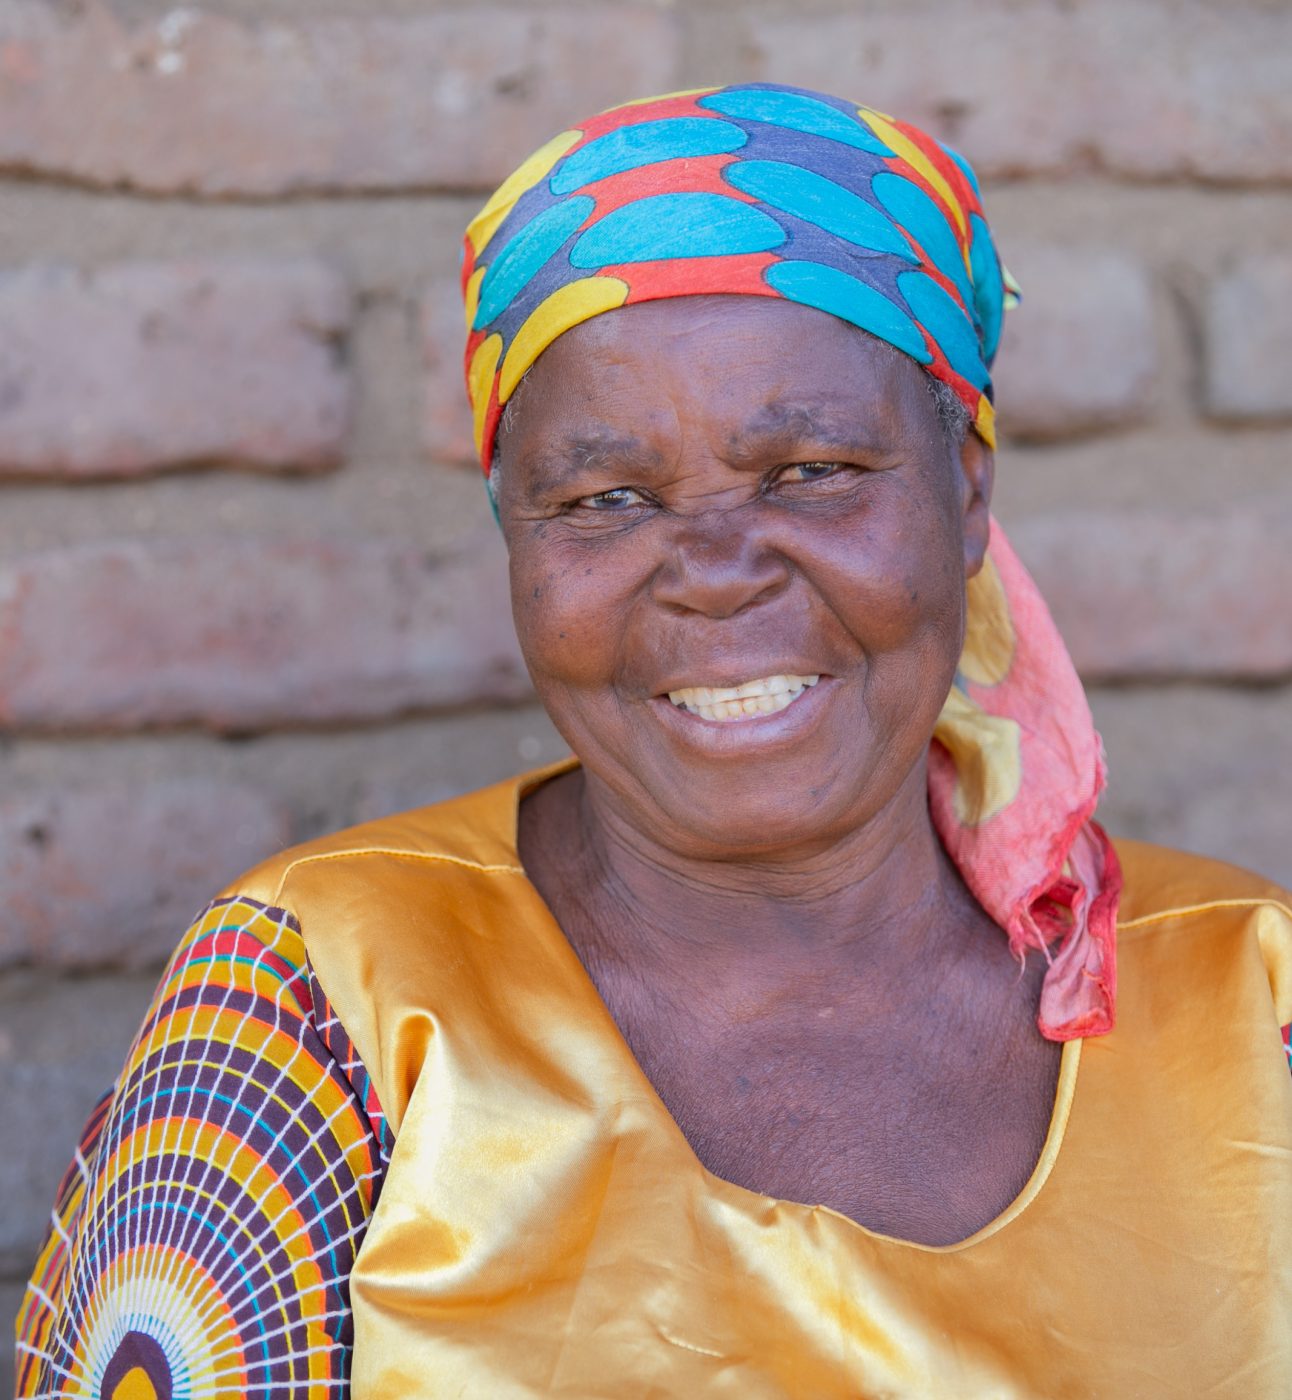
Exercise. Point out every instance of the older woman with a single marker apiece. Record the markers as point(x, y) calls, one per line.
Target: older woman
point(714, 1061)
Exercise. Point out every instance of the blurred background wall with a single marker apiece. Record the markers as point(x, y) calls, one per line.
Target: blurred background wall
point(249, 587)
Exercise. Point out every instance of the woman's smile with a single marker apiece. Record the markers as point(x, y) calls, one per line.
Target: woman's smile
point(748, 700)
point(736, 727)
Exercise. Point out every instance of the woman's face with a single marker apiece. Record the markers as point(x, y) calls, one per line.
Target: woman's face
point(706, 493)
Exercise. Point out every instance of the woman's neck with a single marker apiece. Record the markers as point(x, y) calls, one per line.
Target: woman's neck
point(880, 894)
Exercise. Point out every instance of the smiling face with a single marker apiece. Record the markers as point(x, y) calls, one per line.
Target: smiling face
point(739, 494)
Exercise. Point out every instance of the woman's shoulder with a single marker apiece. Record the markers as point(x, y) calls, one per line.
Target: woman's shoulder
point(474, 832)
point(399, 915)
point(1160, 883)
point(1189, 923)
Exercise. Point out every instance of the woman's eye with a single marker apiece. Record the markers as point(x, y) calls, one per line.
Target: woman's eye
point(809, 471)
point(617, 498)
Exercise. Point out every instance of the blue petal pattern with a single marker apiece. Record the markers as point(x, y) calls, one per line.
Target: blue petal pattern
point(828, 289)
point(812, 197)
point(666, 226)
point(989, 285)
point(524, 255)
point(630, 147)
point(916, 212)
point(949, 326)
point(796, 111)
point(965, 167)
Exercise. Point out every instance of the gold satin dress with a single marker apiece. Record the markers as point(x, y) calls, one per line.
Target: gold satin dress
point(545, 1229)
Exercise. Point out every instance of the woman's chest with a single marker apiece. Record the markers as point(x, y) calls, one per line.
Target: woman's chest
point(905, 1134)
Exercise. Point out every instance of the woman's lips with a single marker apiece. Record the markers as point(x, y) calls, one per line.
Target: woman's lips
point(766, 695)
point(793, 718)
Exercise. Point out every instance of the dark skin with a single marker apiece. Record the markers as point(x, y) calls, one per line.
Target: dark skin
point(704, 491)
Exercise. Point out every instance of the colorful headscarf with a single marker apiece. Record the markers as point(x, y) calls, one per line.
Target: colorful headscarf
point(762, 190)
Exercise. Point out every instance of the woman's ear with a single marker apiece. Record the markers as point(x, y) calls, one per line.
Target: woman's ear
point(977, 475)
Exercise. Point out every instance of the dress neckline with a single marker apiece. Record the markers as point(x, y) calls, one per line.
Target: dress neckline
point(572, 966)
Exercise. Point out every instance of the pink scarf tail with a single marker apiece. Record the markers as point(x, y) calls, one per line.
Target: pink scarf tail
point(1038, 864)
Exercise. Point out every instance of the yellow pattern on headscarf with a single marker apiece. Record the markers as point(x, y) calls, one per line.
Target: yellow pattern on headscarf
point(566, 307)
point(985, 421)
point(914, 157)
point(484, 364)
point(471, 295)
point(989, 634)
point(987, 757)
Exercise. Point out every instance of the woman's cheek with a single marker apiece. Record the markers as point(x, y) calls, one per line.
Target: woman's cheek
point(563, 613)
point(921, 591)
point(890, 604)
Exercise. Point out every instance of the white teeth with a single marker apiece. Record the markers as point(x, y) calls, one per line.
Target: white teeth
point(760, 697)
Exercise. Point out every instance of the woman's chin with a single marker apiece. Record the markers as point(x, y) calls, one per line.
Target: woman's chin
point(757, 819)
point(744, 787)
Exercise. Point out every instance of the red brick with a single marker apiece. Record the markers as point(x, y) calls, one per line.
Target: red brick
point(141, 366)
point(446, 418)
point(242, 634)
point(203, 103)
point(1154, 88)
point(1248, 326)
point(1080, 353)
point(112, 875)
point(1141, 594)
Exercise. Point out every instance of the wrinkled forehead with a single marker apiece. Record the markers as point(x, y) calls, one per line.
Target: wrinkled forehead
point(734, 376)
point(717, 349)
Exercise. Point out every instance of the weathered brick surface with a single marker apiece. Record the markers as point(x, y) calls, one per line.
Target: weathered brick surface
point(61, 1046)
point(1139, 594)
point(1080, 353)
point(140, 366)
point(74, 899)
point(1141, 87)
point(446, 418)
point(240, 633)
point(10, 1300)
point(391, 784)
point(198, 102)
point(1201, 768)
point(1248, 329)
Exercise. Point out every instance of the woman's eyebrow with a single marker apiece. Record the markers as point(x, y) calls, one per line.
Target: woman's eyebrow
point(560, 464)
point(782, 420)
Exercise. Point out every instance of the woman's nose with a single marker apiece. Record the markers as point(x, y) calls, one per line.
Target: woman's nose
point(717, 568)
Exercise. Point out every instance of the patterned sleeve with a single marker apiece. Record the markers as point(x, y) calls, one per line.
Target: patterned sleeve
point(202, 1239)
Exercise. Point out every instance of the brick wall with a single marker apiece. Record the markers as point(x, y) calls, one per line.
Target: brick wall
point(249, 588)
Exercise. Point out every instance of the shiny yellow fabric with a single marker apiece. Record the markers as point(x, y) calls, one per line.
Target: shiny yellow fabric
point(545, 1229)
